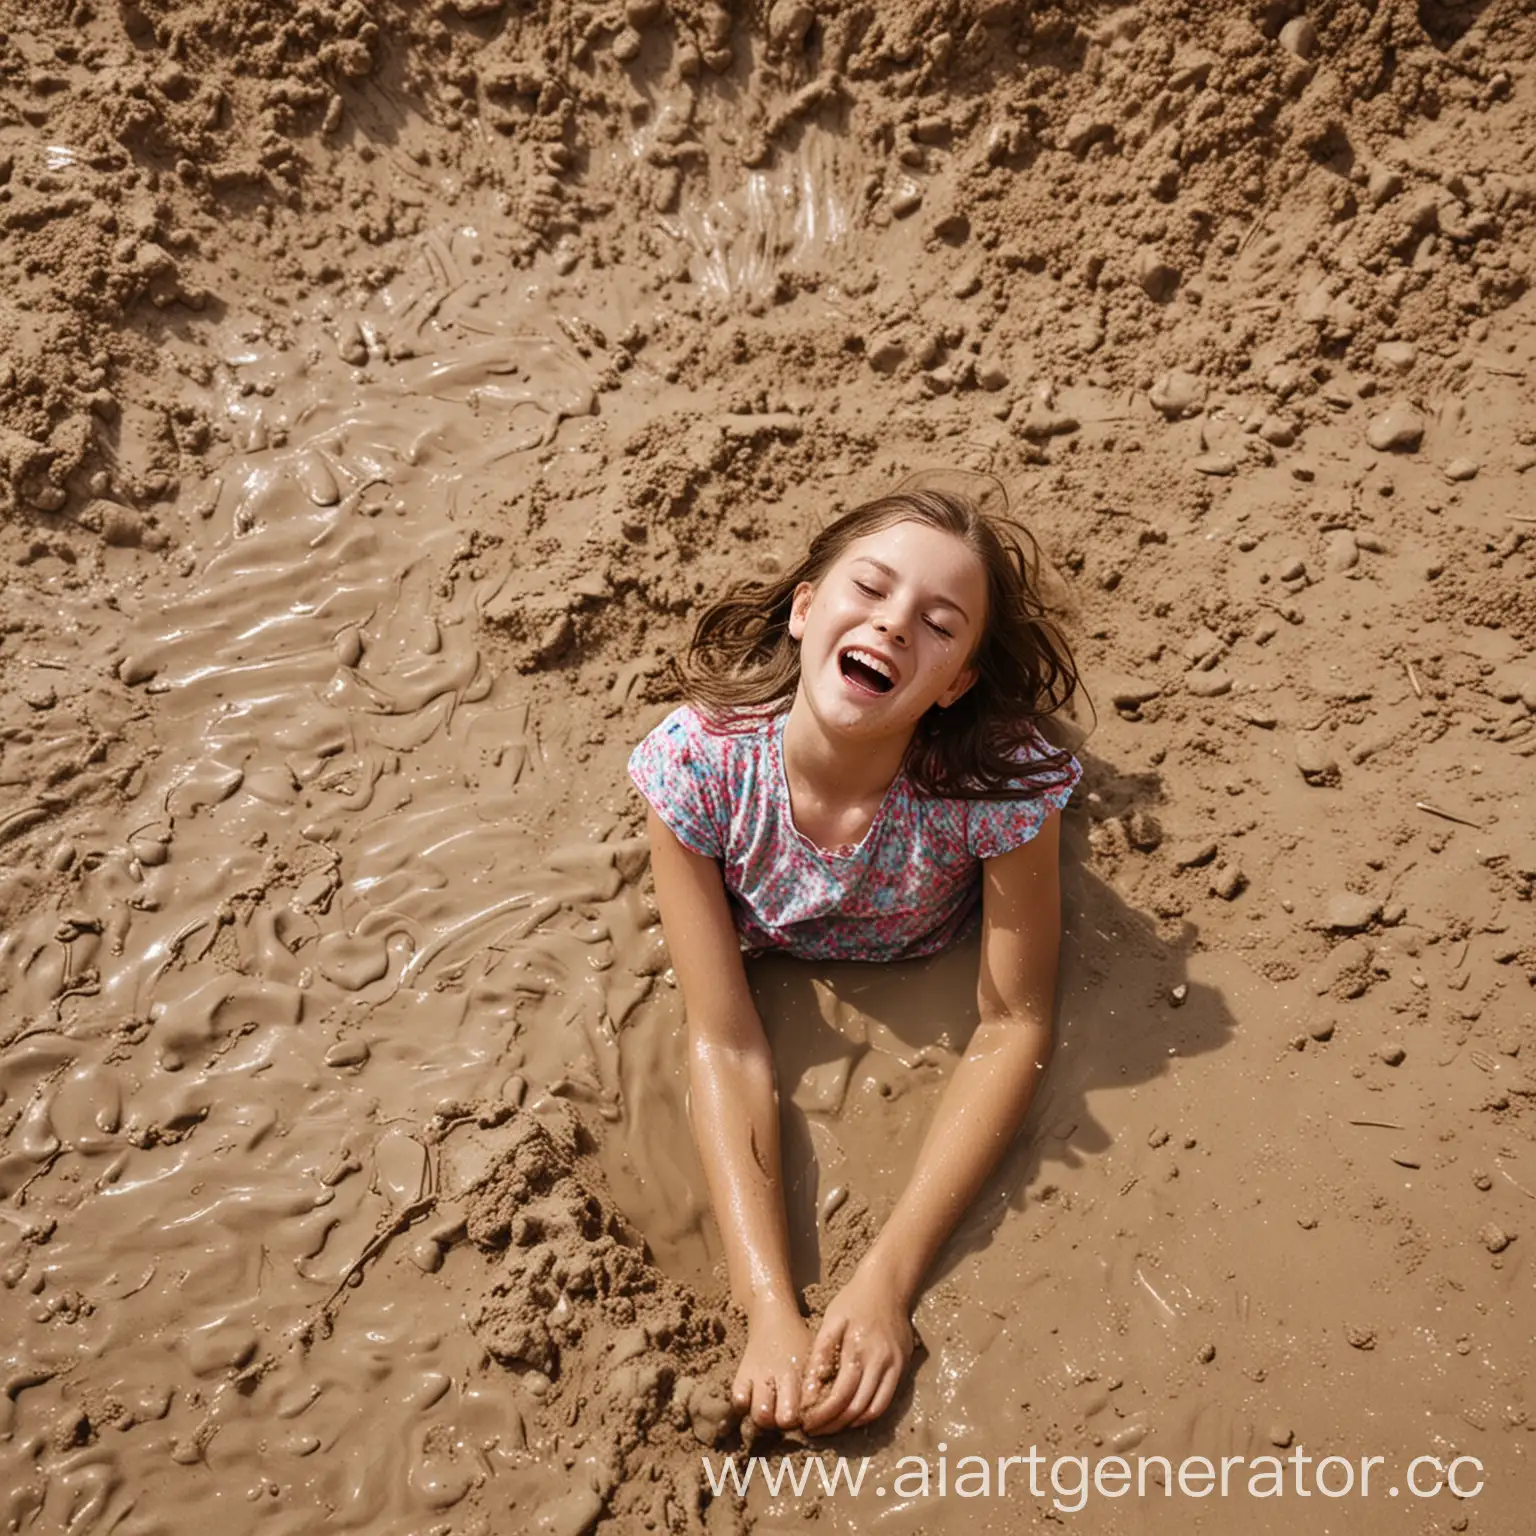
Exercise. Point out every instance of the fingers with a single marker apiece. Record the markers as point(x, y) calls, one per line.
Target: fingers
point(826, 1353)
point(788, 1395)
point(772, 1401)
point(764, 1402)
point(826, 1413)
point(884, 1395)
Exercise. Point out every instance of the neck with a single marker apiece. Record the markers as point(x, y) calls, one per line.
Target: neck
point(834, 768)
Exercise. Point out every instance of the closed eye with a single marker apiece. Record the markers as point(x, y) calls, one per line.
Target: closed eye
point(939, 629)
point(867, 590)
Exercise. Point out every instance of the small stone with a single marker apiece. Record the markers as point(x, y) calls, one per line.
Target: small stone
point(1396, 356)
point(1348, 912)
point(1293, 570)
point(788, 22)
point(1179, 995)
point(351, 346)
point(1130, 693)
point(905, 201)
point(1280, 1435)
point(990, 375)
point(1315, 759)
point(627, 44)
point(1461, 469)
point(1382, 185)
point(1082, 129)
point(1360, 1337)
point(1206, 1353)
point(1482, 1181)
point(1398, 429)
point(1278, 431)
point(1178, 394)
point(1342, 553)
point(1494, 1238)
point(1321, 1029)
point(1373, 543)
point(1299, 37)
point(1227, 881)
point(1189, 855)
point(1157, 1138)
point(1257, 715)
point(1207, 685)
point(351, 1052)
point(1392, 1054)
point(1218, 464)
point(1159, 279)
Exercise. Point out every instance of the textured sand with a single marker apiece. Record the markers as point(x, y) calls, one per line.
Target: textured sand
point(382, 390)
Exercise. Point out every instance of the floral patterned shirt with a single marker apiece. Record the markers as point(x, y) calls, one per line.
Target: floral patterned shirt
point(911, 887)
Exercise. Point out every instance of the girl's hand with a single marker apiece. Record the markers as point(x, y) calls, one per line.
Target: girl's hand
point(859, 1355)
point(768, 1380)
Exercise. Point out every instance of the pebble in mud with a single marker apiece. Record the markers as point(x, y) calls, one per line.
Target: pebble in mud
point(1178, 394)
point(1208, 685)
point(1341, 553)
point(1392, 1054)
point(1348, 911)
point(1398, 429)
point(1315, 759)
point(1494, 1238)
point(1461, 470)
point(1299, 37)
point(1227, 881)
point(1281, 1435)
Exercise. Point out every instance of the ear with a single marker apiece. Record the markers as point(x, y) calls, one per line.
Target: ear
point(961, 686)
point(799, 608)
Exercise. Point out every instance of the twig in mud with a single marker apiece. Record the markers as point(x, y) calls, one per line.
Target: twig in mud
point(1413, 678)
point(1384, 1125)
point(1503, 373)
point(1434, 810)
point(1513, 1180)
point(376, 1244)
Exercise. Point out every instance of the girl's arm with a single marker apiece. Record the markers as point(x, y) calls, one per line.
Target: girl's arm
point(735, 1111)
point(866, 1338)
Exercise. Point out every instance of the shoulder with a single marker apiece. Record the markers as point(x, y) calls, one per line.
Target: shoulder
point(1044, 785)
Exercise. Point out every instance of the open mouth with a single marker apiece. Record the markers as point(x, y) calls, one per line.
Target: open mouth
point(865, 671)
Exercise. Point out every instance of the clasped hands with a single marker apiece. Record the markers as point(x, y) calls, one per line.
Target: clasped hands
point(844, 1378)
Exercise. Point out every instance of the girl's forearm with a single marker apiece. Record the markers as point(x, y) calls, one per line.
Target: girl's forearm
point(735, 1115)
point(976, 1119)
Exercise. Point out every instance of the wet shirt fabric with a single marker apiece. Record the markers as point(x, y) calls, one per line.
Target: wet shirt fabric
point(912, 887)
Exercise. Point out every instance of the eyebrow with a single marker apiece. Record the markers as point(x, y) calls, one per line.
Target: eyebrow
point(944, 602)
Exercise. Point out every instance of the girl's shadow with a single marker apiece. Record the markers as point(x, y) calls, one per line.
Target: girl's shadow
point(862, 1052)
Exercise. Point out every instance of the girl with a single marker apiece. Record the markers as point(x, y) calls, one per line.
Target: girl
point(858, 772)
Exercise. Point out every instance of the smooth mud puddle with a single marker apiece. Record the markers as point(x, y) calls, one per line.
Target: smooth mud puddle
point(326, 918)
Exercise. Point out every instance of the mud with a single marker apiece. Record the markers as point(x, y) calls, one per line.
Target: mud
point(384, 388)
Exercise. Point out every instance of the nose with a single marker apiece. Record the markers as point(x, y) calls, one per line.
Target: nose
point(892, 628)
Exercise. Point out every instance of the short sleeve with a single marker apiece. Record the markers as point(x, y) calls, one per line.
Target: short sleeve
point(680, 770)
point(995, 827)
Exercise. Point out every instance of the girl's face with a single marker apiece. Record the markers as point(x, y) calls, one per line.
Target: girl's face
point(890, 630)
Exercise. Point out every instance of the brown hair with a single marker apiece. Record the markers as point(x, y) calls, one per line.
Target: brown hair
point(743, 664)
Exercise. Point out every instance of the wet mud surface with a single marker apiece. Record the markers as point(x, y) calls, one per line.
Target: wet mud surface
point(383, 391)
